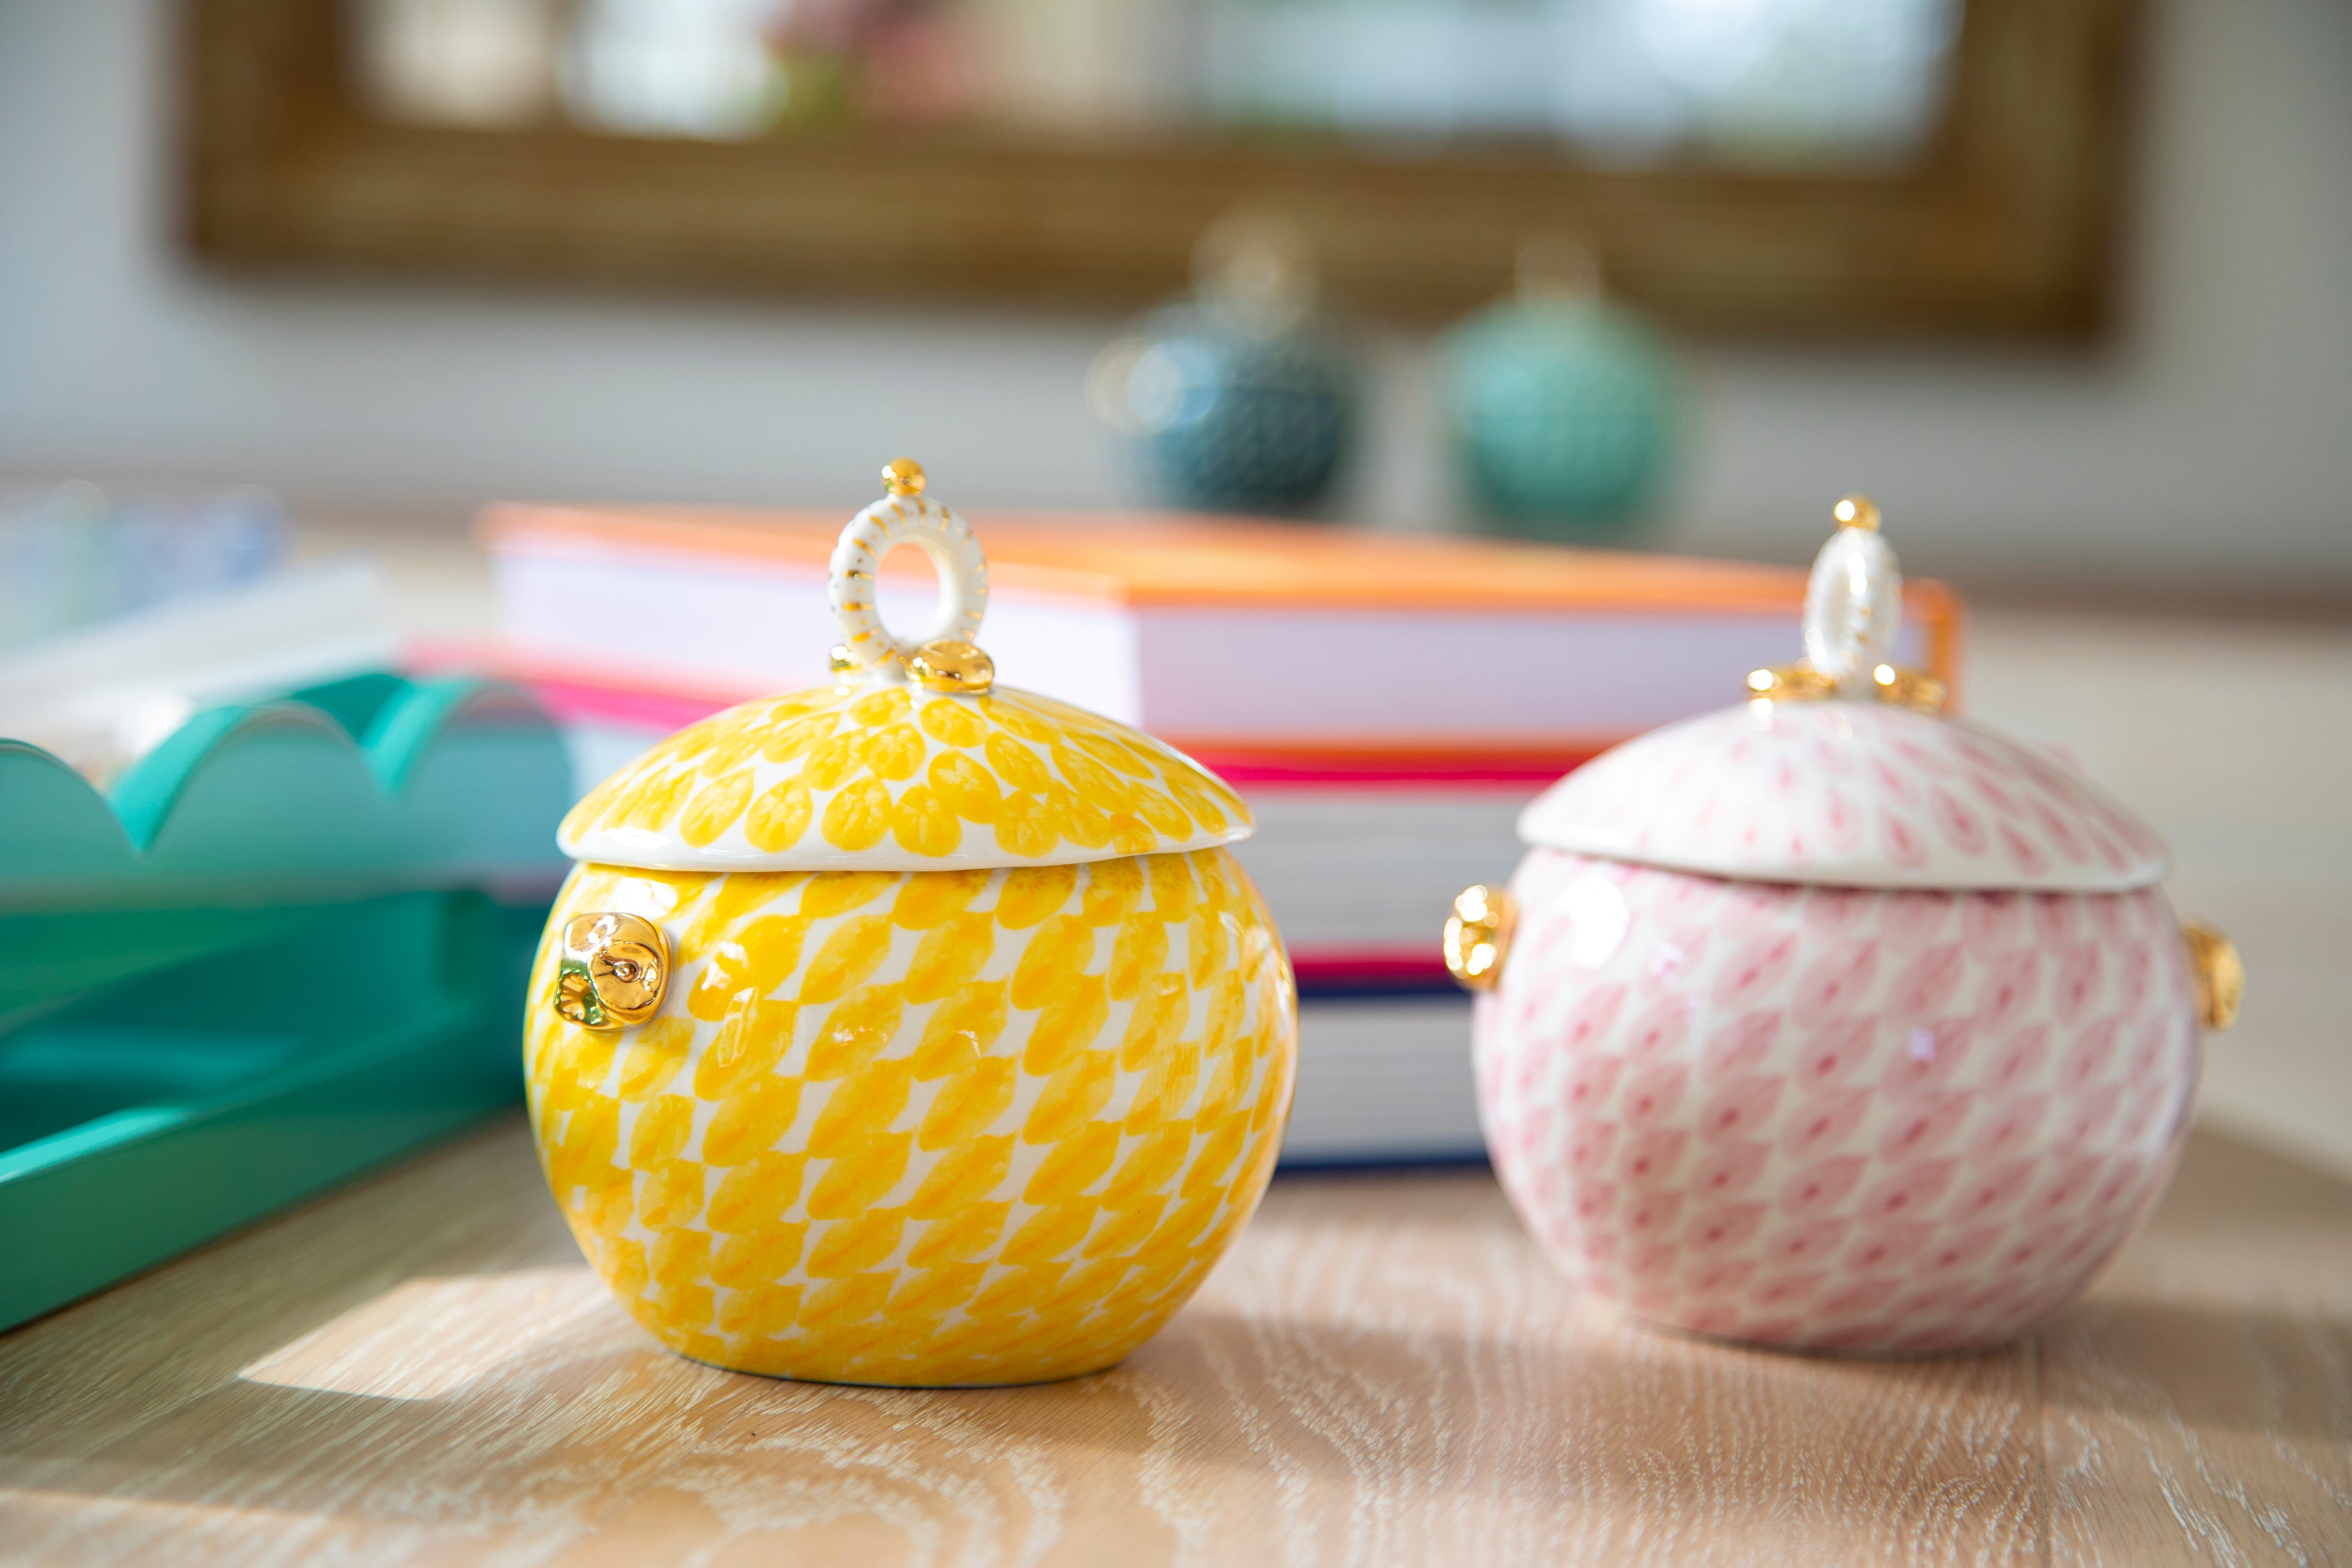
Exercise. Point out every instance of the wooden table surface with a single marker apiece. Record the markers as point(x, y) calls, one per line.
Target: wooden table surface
point(420, 1369)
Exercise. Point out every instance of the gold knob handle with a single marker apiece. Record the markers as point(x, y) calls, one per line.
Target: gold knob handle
point(1478, 936)
point(613, 970)
point(1889, 683)
point(2216, 973)
point(952, 665)
point(1856, 511)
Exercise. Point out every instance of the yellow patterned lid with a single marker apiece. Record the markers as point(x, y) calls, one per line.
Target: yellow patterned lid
point(913, 759)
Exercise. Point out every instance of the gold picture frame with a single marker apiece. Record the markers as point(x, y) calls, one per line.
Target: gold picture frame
point(2005, 227)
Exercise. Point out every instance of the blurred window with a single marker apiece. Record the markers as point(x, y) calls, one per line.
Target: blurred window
point(1787, 84)
point(481, 63)
point(1814, 168)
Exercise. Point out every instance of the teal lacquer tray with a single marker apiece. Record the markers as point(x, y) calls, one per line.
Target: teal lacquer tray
point(287, 944)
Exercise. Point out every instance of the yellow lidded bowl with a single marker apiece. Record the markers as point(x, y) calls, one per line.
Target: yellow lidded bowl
point(908, 1030)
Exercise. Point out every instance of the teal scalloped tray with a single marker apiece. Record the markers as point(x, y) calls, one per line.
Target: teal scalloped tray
point(289, 944)
point(370, 783)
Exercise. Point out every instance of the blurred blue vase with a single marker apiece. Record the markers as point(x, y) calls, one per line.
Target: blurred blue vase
point(1224, 416)
point(1563, 414)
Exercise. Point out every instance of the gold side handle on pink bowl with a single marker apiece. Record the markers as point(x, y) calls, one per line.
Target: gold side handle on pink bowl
point(2216, 973)
point(1478, 936)
point(611, 971)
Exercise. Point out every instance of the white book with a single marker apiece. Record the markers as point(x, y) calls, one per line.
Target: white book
point(102, 696)
point(1206, 633)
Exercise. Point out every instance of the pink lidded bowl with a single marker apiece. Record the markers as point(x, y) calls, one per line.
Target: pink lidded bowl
point(1833, 1020)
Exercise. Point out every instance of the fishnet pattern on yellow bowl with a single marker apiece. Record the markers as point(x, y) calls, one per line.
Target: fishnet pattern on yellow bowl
point(882, 776)
point(929, 1128)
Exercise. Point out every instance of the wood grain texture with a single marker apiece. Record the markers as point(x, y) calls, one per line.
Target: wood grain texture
point(421, 1370)
point(2199, 1407)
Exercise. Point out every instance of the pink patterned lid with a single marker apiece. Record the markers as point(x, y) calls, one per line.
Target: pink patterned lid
point(1855, 794)
point(1834, 774)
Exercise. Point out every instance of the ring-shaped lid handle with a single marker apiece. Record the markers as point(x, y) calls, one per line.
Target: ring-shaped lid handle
point(904, 515)
point(912, 759)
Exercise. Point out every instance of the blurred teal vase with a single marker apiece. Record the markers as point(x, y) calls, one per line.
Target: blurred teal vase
point(1244, 399)
point(1236, 420)
point(1564, 410)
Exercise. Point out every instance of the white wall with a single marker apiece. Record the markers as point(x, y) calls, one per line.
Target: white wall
point(2212, 445)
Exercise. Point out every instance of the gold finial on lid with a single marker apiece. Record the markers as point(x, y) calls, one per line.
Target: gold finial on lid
point(903, 477)
point(1854, 605)
point(1911, 688)
point(1796, 682)
point(1856, 511)
point(951, 664)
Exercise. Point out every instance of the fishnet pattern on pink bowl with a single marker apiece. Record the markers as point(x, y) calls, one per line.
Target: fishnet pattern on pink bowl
point(1854, 1119)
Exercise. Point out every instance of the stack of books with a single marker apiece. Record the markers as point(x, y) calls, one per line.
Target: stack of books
point(1387, 703)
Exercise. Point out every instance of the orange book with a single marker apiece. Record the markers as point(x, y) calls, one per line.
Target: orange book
point(1223, 636)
